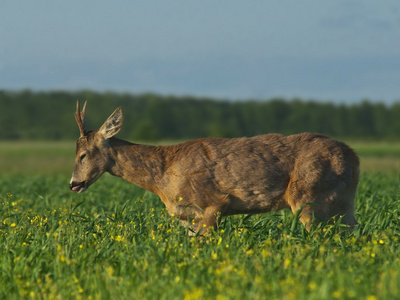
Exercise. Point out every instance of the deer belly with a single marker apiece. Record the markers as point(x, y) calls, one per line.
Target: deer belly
point(253, 202)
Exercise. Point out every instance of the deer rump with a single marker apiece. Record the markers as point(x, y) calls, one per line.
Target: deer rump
point(203, 180)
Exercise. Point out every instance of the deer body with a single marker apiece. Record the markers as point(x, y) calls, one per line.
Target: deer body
point(203, 180)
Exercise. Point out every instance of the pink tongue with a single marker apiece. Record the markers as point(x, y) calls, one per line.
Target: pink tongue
point(76, 188)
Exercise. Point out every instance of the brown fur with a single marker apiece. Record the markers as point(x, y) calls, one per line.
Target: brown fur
point(203, 180)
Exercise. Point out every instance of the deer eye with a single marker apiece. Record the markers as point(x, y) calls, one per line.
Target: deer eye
point(82, 157)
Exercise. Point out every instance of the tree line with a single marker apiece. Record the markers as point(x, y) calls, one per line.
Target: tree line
point(49, 115)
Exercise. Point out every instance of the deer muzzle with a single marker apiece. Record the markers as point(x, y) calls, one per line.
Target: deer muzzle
point(77, 186)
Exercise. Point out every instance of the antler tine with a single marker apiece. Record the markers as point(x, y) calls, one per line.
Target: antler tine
point(83, 113)
point(80, 118)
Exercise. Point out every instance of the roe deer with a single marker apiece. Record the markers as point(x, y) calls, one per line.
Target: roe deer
point(203, 180)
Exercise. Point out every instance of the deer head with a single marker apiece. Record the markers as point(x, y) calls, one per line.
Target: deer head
point(92, 157)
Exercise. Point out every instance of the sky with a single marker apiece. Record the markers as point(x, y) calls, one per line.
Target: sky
point(341, 51)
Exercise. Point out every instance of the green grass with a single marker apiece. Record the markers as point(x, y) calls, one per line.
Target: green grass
point(116, 241)
point(376, 149)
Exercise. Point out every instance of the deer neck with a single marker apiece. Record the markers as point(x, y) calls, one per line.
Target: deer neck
point(141, 165)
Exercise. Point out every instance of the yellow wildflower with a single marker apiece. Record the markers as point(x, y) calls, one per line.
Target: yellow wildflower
point(312, 286)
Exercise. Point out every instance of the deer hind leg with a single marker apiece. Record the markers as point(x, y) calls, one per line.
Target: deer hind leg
point(325, 206)
point(344, 205)
point(310, 214)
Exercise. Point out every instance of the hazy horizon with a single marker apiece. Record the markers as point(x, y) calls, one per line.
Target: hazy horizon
point(342, 51)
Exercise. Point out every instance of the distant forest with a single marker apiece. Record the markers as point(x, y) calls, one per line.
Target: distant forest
point(28, 115)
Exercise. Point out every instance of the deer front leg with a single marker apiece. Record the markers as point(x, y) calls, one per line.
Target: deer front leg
point(202, 222)
point(194, 217)
point(209, 220)
point(191, 226)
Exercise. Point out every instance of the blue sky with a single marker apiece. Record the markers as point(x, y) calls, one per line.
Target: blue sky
point(343, 50)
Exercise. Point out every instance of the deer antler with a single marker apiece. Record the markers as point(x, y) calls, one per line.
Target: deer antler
point(80, 118)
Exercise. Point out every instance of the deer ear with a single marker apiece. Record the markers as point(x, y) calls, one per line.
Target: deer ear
point(113, 124)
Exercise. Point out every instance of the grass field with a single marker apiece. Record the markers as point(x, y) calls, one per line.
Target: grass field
point(116, 241)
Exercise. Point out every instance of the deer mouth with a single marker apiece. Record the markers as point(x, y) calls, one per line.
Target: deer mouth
point(78, 187)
